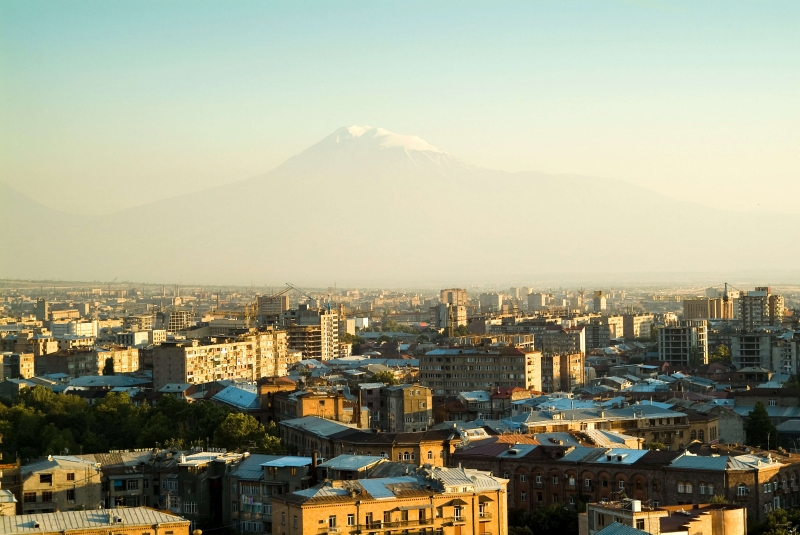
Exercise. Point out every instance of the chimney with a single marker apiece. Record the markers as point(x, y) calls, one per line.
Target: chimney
point(314, 468)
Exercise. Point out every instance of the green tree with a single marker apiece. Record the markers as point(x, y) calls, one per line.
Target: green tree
point(718, 498)
point(385, 377)
point(240, 431)
point(108, 368)
point(654, 333)
point(721, 354)
point(654, 446)
point(759, 428)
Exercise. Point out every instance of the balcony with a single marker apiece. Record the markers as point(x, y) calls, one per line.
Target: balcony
point(405, 523)
point(484, 516)
point(451, 520)
point(329, 529)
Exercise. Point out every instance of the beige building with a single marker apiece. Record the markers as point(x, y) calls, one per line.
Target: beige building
point(446, 501)
point(314, 332)
point(58, 483)
point(123, 521)
point(452, 371)
point(760, 308)
point(692, 519)
point(453, 296)
point(18, 365)
point(118, 359)
point(270, 305)
point(637, 326)
point(406, 408)
point(701, 308)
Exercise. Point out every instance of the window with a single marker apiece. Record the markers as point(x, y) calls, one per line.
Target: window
point(430, 455)
point(71, 476)
point(146, 484)
point(702, 488)
point(775, 485)
point(555, 480)
point(710, 490)
point(681, 487)
point(555, 498)
point(387, 516)
point(457, 511)
point(368, 519)
point(235, 507)
point(767, 488)
point(688, 487)
point(190, 507)
point(773, 402)
point(571, 481)
point(693, 435)
point(481, 509)
point(133, 484)
point(701, 435)
point(294, 521)
point(523, 496)
point(741, 490)
point(332, 521)
point(621, 484)
point(46, 478)
point(587, 482)
point(571, 499)
point(640, 524)
point(351, 519)
point(604, 482)
point(399, 456)
point(293, 470)
point(538, 480)
point(655, 485)
point(505, 475)
point(522, 478)
point(71, 495)
point(29, 497)
point(47, 496)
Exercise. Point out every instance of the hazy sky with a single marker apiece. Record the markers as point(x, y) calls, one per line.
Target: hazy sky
point(132, 101)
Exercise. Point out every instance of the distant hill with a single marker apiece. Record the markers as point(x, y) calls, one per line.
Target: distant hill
point(367, 206)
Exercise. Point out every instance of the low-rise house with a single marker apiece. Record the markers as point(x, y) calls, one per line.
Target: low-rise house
point(124, 521)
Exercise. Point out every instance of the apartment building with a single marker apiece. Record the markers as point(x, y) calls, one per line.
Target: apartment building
point(430, 500)
point(272, 305)
point(601, 330)
point(249, 487)
point(125, 521)
point(703, 518)
point(406, 408)
point(74, 328)
point(637, 326)
point(117, 359)
point(453, 296)
point(702, 308)
point(545, 475)
point(684, 345)
point(58, 484)
point(313, 332)
point(189, 361)
point(444, 315)
point(73, 362)
point(18, 365)
point(139, 322)
point(450, 371)
point(751, 350)
point(559, 340)
point(331, 405)
point(760, 308)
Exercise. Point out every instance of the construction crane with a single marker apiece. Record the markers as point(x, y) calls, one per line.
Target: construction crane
point(307, 296)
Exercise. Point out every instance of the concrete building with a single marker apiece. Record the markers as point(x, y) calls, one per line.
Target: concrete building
point(637, 326)
point(73, 328)
point(443, 315)
point(599, 301)
point(537, 302)
point(42, 309)
point(117, 359)
point(124, 521)
point(272, 305)
point(188, 361)
point(490, 302)
point(760, 308)
point(751, 350)
point(684, 345)
point(139, 322)
point(784, 356)
point(453, 296)
point(58, 483)
point(176, 320)
point(406, 408)
point(18, 365)
point(132, 338)
point(601, 330)
point(314, 332)
point(451, 371)
point(558, 340)
point(701, 308)
point(438, 500)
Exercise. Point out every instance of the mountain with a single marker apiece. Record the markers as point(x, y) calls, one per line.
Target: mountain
point(366, 206)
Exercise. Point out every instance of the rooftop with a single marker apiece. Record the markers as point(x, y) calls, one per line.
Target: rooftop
point(82, 520)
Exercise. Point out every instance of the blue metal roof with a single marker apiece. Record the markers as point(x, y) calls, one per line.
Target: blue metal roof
point(288, 461)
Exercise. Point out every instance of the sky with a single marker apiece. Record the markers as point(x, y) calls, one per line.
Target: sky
point(105, 105)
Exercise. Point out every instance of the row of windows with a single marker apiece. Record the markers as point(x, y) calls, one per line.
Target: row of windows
point(47, 496)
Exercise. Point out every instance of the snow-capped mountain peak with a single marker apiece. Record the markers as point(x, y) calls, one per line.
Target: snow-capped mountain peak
point(385, 138)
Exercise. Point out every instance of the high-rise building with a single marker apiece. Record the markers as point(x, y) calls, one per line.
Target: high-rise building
point(272, 305)
point(42, 309)
point(760, 308)
point(314, 332)
point(443, 315)
point(537, 301)
point(490, 302)
point(599, 301)
point(406, 408)
point(601, 330)
point(453, 296)
point(684, 345)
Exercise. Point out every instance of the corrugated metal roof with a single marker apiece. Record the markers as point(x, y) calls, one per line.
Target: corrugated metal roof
point(239, 397)
point(288, 460)
point(91, 519)
point(615, 528)
point(351, 462)
point(693, 462)
point(377, 488)
point(316, 425)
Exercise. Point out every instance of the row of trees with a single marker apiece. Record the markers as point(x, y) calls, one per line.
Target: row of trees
point(41, 423)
